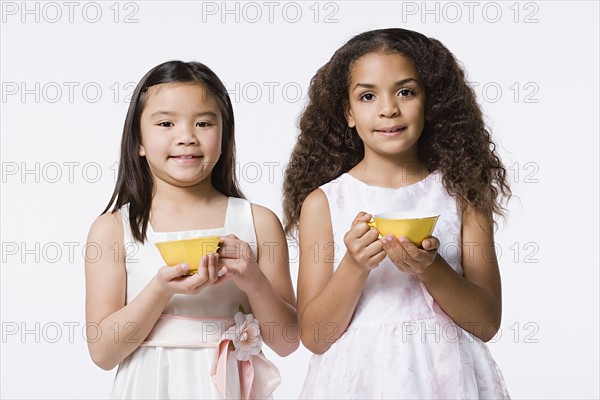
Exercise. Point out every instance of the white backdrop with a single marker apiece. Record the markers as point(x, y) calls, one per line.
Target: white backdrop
point(67, 69)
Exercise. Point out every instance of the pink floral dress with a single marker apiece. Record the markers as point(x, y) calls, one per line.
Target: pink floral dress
point(400, 344)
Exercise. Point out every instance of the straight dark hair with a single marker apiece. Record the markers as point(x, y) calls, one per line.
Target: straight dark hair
point(135, 185)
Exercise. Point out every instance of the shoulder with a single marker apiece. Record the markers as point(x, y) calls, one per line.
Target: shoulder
point(315, 215)
point(108, 225)
point(263, 214)
point(267, 225)
point(315, 202)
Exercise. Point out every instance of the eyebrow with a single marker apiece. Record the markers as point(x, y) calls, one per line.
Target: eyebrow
point(371, 86)
point(170, 114)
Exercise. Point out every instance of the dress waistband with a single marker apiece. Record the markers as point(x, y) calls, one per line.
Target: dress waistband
point(180, 331)
point(257, 376)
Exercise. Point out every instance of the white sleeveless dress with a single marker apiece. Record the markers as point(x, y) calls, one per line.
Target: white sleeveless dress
point(176, 358)
point(400, 344)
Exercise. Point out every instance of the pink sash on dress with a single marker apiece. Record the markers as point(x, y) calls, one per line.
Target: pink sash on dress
point(258, 376)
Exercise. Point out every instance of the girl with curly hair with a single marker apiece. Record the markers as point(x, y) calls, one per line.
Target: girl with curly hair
point(392, 124)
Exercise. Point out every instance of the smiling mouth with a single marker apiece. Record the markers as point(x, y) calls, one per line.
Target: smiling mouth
point(392, 130)
point(189, 157)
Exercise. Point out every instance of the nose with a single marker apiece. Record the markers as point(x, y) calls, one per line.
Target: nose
point(186, 136)
point(389, 107)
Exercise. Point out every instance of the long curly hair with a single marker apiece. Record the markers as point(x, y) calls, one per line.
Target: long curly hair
point(454, 140)
point(135, 185)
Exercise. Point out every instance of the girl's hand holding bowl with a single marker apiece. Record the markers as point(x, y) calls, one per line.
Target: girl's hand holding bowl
point(407, 240)
point(409, 258)
point(176, 279)
point(239, 263)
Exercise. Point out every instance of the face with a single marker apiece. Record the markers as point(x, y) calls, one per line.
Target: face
point(386, 105)
point(181, 129)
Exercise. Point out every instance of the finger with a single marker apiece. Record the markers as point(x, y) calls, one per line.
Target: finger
point(371, 235)
point(360, 228)
point(415, 255)
point(173, 272)
point(232, 247)
point(229, 237)
point(220, 280)
point(202, 274)
point(431, 243)
point(397, 256)
point(230, 271)
point(376, 259)
point(374, 248)
point(213, 274)
point(361, 217)
point(395, 250)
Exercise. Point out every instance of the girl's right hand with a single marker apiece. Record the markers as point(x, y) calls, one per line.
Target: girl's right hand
point(173, 280)
point(362, 243)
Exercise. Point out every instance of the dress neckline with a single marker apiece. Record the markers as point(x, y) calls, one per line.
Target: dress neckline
point(151, 229)
point(422, 181)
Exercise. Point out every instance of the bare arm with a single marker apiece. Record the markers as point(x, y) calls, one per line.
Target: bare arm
point(115, 330)
point(266, 280)
point(327, 299)
point(472, 301)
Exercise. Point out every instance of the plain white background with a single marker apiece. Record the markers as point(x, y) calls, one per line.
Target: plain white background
point(66, 72)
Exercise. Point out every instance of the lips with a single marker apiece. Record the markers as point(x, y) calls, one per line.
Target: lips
point(185, 157)
point(391, 130)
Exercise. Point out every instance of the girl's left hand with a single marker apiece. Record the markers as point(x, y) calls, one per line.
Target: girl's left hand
point(240, 265)
point(409, 258)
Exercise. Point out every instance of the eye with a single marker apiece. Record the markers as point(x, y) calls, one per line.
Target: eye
point(203, 124)
point(367, 97)
point(406, 92)
point(165, 124)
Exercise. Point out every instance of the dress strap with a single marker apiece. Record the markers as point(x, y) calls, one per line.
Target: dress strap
point(240, 219)
point(127, 234)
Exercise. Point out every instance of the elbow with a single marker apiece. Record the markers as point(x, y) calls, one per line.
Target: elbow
point(102, 361)
point(484, 337)
point(290, 340)
point(492, 321)
point(317, 348)
point(104, 364)
point(310, 337)
point(489, 330)
point(290, 347)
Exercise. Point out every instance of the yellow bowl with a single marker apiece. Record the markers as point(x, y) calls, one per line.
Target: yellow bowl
point(416, 226)
point(189, 251)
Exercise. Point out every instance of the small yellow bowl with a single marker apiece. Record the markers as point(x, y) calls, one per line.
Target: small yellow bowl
point(416, 226)
point(190, 251)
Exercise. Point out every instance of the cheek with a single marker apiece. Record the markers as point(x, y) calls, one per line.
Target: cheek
point(418, 114)
point(218, 142)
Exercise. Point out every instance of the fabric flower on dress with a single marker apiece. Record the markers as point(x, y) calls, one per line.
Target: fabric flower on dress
point(258, 377)
point(248, 341)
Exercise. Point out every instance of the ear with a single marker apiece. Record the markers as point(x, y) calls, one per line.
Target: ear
point(349, 117)
point(142, 151)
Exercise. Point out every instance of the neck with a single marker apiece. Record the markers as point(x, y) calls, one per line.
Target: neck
point(390, 171)
point(172, 198)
